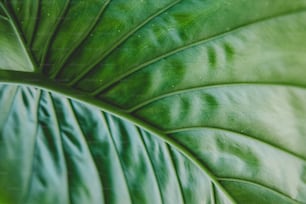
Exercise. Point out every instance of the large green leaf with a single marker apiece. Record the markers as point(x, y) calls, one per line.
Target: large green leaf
point(54, 150)
point(208, 97)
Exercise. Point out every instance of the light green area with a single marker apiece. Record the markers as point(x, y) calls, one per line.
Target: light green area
point(168, 101)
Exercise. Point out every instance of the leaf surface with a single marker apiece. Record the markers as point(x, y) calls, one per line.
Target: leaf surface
point(74, 153)
point(202, 101)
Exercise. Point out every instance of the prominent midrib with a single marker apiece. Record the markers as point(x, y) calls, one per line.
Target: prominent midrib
point(42, 82)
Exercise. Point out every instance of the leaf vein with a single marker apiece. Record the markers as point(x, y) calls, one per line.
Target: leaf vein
point(120, 41)
point(136, 68)
point(213, 193)
point(249, 182)
point(61, 140)
point(34, 150)
point(150, 161)
point(176, 173)
point(78, 43)
point(212, 86)
point(88, 146)
point(22, 42)
point(53, 31)
point(116, 153)
point(233, 132)
point(34, 28)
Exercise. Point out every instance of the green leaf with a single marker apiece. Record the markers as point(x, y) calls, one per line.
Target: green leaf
point(13, 53)
point(191, 101)
point(74, 153)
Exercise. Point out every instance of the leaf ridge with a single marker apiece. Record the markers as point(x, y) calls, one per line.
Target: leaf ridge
point(120, 41)
point(117, 153)
point(236, 133)
point(150, 161)
point(78, 43)
point(213, 193)
point(11, 105)
point(136, 68)
point(19, 35)
point(52, 35)
point(68, 180)
point(35, 25)
point(249, 182)
point(212, 86)
point(184, 151)
point(34, 149)
point(176, 174)
point(91, 155)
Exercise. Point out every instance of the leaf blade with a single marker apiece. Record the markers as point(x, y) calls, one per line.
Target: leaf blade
point(222, 83)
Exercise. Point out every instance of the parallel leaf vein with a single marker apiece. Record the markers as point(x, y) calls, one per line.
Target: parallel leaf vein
point(78, 43)
point(120, 41)
point(249, 182)
point(213, 86)
point(19, 35)
point(61, 141)
point(134, 69)
point(30, 178)
point(34, 28)
point(88, 147)
point(150, 162)
point(176, 173)
point(213, 193)
point(53, 31)
point(116, 153)
point(236, 133)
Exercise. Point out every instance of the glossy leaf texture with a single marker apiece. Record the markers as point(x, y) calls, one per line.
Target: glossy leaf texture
point(220, 86)
point(68, 152)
